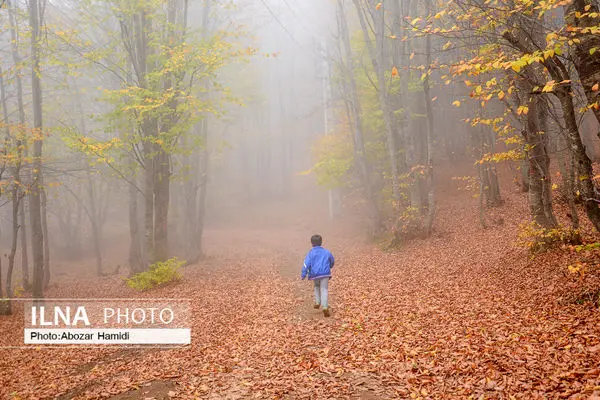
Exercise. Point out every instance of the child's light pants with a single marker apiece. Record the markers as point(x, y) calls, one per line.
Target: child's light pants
point(322, 292)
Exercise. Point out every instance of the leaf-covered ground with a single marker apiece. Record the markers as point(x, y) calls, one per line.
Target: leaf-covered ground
point(465, 314)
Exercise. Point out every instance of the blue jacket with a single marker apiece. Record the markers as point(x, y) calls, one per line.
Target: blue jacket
point(318, 263)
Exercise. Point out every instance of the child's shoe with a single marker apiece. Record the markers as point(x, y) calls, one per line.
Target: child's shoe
point(326, 312)
point(317, 306)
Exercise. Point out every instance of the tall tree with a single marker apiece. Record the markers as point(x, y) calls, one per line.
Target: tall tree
point(376, 53)
point(355, 112)
point(35, 204)
point(17, 61)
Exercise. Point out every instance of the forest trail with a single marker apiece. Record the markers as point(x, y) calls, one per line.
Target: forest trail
point(443, 318)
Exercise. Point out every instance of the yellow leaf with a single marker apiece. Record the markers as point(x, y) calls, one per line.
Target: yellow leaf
point(302, 173)
point(456, 103)
point(548, 87)
point(394, 71)
point(595, 88)
point(378, 6)
point(412, 55)
point(501, 95)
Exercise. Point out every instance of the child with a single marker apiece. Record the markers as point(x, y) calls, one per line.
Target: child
point(317, 265)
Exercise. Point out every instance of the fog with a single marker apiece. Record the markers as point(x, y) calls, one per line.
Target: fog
point(165, 121)
point(253, 145)
point(299, 199)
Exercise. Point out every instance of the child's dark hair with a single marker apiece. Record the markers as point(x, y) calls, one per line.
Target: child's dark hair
point(316, 240)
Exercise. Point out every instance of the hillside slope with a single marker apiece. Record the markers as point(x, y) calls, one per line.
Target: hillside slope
point(465, 313)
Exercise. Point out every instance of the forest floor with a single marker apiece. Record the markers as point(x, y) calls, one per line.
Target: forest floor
point(464, 314)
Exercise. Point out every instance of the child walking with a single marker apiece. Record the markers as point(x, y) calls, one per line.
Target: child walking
point(317, 266)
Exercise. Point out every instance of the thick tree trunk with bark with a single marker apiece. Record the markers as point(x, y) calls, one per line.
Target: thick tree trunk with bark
point(582, 161)
point(540, 183)
point(564, 92)
point(586, 63)
point(566, 171)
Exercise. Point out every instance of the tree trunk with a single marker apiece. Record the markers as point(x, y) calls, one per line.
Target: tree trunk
point(582, 161)
point(94, 216)
point(14, 35)
point(35, 206)
point(204, 163)
point(148, 204)
point(486, 144)
point(430, 133)
point(377, 58)
point(136, 263)
point(15, 238)
point(161, 206)
point(97, 248)
point(15, 193)
point(203, 187)
point(586, 64)
point(493, 195)
point(45, 233)
point(563, 91)
point(189, 206)
point(525, 176)
point(482, 207)
point(566, 170)
point(412, 126)
point(540, 183)
point(355, 111)
point(24, 247)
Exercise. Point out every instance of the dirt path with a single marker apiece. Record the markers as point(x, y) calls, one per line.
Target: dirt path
point(445, 318)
